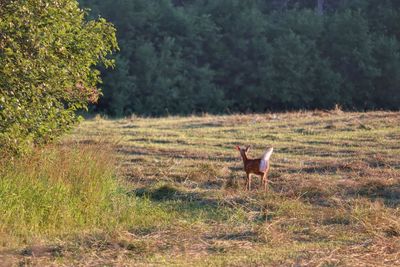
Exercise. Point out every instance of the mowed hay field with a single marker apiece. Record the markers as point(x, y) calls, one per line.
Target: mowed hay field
point(333, 198)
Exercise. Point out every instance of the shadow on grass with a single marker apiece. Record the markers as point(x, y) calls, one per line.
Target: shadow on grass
point(389, 193)
point(165, 193)
point(251, 236)
point(189, 206)
point(331, 167)
point(159, 141)
point(173, 153)
point(324, 194)
point(193, 205)
point(203, 125)
point(178, 199)
point(130, 126)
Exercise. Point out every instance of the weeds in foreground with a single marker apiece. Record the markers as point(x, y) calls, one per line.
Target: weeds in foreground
point(65, 190)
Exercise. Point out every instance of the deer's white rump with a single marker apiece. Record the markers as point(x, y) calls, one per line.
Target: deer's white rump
point(265, 159)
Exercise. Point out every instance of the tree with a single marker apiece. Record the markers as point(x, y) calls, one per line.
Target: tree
point(387, 85)
point(48, 54)
point(320, 7)
point(189, 56)
point(348, 45)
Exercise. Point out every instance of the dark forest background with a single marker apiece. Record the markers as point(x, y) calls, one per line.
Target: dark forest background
point(193, 56)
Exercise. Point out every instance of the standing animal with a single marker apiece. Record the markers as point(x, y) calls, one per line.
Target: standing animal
point(256, 166)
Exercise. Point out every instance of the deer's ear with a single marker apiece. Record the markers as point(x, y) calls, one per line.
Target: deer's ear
point(238, 148)
point(247, 148)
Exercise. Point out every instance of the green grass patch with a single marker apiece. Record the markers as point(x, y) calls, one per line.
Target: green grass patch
point(59, 191)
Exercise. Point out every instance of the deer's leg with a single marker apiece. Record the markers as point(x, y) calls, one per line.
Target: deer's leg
point(265, 181)
point(262, 180)
point(247, 181)
point(249, 178)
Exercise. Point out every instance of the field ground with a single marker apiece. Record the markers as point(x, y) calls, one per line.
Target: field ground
point(333, 200)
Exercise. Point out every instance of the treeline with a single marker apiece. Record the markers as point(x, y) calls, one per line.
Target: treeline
point(191, 56)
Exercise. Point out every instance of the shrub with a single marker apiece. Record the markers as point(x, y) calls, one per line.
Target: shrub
point(47, 57)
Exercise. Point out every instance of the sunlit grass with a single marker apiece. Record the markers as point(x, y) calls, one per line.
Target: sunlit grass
point(173, 194)
point(63, 190)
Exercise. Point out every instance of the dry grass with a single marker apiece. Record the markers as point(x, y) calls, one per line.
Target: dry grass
point(333, 200)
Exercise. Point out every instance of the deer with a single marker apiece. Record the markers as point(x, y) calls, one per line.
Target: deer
point(256, 166)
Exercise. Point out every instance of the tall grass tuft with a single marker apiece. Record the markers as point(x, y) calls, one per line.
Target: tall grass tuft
point(56, 189)
point(61, 190)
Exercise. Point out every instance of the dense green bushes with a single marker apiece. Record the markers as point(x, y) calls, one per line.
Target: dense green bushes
point(188, 56)
point(47, 57)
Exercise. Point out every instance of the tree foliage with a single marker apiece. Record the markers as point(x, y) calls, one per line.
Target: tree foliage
point(48, 52)
point(193, 56)
point(189, 56)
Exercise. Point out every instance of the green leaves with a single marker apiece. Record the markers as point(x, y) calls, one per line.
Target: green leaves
point(244, 55)
point(48, 54)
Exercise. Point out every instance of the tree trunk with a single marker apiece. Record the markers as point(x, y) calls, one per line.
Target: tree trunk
point(320, 7)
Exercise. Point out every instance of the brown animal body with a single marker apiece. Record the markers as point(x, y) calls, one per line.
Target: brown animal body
point(258, 166)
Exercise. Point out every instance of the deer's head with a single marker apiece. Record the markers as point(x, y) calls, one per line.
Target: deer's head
point(243, 151)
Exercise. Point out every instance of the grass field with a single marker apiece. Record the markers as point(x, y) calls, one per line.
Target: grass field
point(333, 199)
